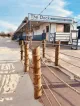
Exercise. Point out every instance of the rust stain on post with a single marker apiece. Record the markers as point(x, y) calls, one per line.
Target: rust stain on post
point(37, 73)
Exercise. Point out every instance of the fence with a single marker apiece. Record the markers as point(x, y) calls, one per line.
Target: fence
point(62, 37)
point(38, 76)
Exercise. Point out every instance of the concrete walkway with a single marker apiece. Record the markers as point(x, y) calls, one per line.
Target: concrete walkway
point(16, 88)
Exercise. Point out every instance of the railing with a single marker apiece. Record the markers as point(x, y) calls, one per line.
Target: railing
point(62, 37)
point(52, 37)
point(75, 43)
point(37, 60)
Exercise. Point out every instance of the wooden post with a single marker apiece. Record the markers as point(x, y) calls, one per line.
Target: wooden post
point(30, 41)
point(44, 47)
point(22, 45)
point(57, 48)
point(27, 38)
point(37, 73)
point(26, 57)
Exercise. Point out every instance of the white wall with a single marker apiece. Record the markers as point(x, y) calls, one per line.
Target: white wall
point(66, 36)
point(43, 27)
point(40, 30)
point(53, 28)
point(73, 26)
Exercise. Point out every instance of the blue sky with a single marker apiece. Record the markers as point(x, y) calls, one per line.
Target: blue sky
point(12, 12)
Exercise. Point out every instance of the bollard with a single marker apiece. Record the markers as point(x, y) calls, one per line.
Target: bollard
point(27, 38)
point(26, 63)
point(30, 41)
point(57, 48)
point(44, 47)
point(37, 73)
point(22, 45)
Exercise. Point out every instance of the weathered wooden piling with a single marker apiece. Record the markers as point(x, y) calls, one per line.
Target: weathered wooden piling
point(37, 73)
point(22, 47)
point(44, 47)
point(26, 62)
point(57, 49)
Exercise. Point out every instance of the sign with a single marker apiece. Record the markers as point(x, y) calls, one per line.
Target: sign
point(47, 18)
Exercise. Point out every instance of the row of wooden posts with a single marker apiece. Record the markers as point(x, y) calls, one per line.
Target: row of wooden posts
point(37, 63)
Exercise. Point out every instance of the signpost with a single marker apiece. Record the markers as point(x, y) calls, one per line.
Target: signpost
point(47, 18)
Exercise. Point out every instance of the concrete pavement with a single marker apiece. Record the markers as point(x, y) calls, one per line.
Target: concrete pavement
point(16, 88)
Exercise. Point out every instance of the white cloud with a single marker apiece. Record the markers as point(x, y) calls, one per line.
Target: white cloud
point(56, 8)
point(7, 26)
point(77, 17)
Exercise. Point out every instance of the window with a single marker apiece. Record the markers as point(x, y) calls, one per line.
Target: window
point(63, 28)
point(60, 28)
point(66, 27)
point(47, 28)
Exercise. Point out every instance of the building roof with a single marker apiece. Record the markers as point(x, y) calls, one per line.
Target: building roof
point(24, 22)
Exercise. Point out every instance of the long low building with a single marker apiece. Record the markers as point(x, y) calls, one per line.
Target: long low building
point(56, 28)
